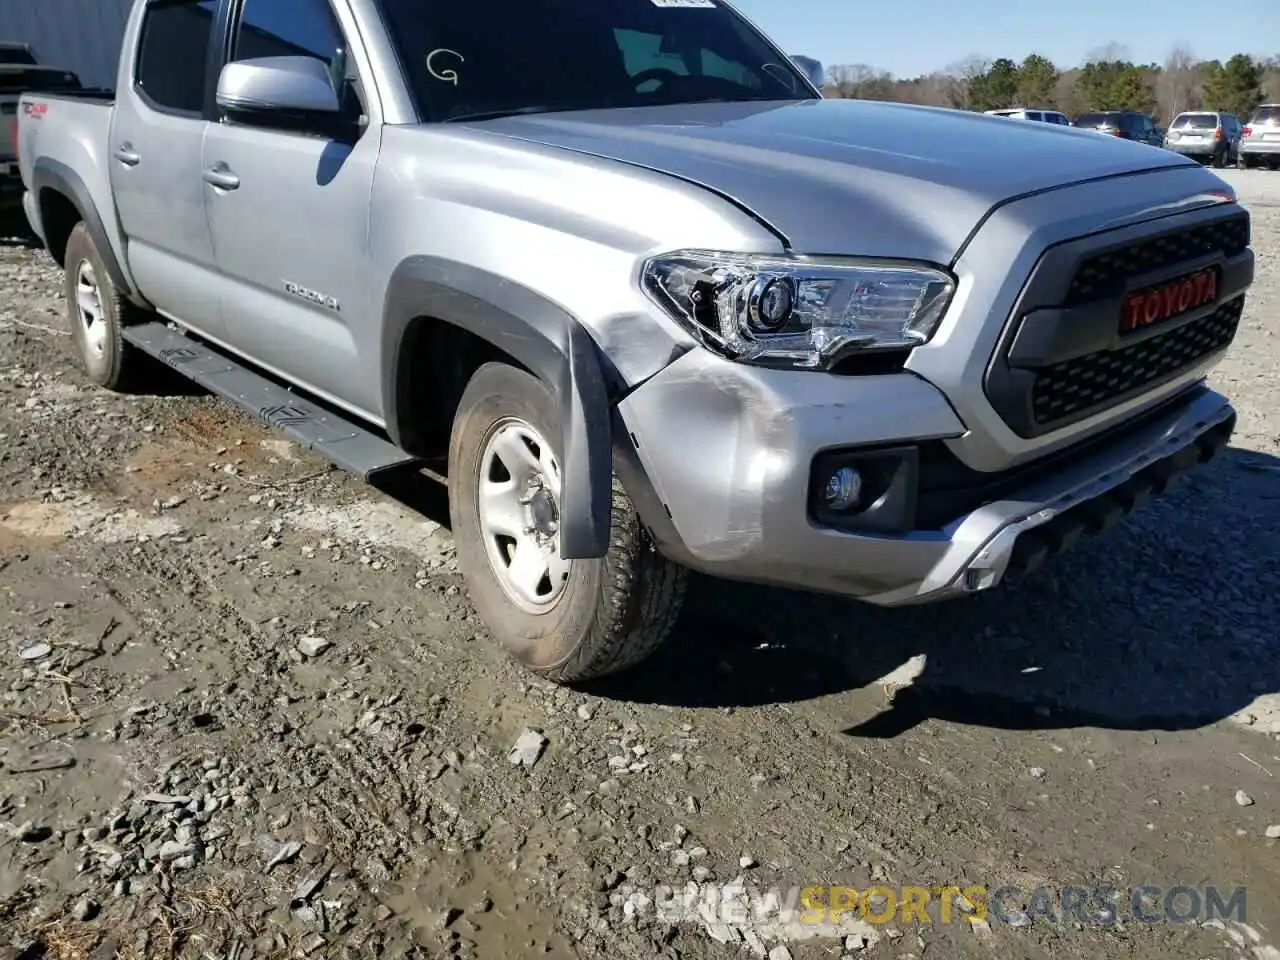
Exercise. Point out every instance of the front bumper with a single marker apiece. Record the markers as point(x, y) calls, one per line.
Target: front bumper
point(718, 458)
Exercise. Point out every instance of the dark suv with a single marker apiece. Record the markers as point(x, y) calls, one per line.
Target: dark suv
point(1127, 124)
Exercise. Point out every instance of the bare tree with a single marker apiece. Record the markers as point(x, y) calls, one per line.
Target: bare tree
point(961, 75)
point(861, 81)
point(1109, 53)
point(1176, 87)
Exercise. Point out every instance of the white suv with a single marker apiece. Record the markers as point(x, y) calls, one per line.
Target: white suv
point(1022, 113)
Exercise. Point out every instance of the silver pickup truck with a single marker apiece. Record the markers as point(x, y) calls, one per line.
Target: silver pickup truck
point(649, 302)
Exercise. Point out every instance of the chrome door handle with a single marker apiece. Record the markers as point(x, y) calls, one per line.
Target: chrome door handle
point(126, 155)
point(221, 177)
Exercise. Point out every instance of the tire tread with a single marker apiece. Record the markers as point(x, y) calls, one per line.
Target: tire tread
point(640, 602)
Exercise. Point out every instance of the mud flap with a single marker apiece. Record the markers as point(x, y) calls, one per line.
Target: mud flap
point(586, 448)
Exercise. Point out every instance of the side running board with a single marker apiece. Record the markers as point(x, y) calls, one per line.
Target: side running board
point(340, 441)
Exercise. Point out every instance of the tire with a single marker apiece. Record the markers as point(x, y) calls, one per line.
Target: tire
point(1219, 159)
point(98, 313)
point(593, 617)
point(1244, 162)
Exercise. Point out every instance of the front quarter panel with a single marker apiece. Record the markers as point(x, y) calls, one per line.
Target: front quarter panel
point(571, 228)
point(537, 253)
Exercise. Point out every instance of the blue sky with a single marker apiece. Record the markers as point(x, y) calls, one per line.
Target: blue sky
point(911, 37)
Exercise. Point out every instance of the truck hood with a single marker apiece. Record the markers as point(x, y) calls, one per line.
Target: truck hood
point(847, 177)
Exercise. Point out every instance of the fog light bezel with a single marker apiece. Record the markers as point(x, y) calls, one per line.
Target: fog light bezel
point(890, 481)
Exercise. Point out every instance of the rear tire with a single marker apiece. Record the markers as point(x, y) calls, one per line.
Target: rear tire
point(1244, 162)
point(567, 621)
point(98, 313)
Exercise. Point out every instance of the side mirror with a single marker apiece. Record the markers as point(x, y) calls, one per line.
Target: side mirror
point(812, 69)
point(294, 85)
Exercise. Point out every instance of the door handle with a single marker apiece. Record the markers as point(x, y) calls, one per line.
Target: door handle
point(220, 176)
point(126, 155)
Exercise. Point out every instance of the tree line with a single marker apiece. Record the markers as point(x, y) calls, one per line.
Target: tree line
point(1108, 80)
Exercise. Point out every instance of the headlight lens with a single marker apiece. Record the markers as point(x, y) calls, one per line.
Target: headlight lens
point(802, 312)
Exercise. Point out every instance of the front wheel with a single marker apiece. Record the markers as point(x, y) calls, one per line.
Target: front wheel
point(568, 620)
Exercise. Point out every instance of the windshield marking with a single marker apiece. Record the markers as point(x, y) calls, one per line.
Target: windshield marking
point(446, 75)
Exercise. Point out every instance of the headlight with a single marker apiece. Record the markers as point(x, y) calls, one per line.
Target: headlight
point(802, 312)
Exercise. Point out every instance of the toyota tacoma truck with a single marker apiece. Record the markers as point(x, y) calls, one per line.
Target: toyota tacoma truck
point(617, 272)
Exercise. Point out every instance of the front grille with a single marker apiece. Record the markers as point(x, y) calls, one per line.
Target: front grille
point(1063, 358)
point(1104, 274)
point(1066, 390)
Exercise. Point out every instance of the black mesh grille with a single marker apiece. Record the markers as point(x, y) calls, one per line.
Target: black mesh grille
point(1105, 273)
point(1067, 389)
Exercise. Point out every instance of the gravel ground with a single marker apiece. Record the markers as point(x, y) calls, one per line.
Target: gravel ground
point(246, 710)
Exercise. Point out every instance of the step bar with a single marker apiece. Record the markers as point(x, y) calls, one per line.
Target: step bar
point(328, 433)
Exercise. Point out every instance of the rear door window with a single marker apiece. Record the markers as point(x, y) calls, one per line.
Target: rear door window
point(172, 54)
point(1195, 121)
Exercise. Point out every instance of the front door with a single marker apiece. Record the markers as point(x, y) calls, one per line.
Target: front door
point(289, 209)
point(157, 135)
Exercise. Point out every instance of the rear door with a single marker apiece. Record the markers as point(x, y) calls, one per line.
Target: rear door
point(157, 134)
point(290, 236)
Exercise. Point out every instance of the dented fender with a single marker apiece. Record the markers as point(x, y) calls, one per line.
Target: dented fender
point(727, 447)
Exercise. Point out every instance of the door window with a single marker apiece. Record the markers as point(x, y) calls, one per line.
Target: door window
point(172, 52)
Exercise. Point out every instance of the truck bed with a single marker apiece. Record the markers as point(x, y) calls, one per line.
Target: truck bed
point(71, 127)
point(17, 79)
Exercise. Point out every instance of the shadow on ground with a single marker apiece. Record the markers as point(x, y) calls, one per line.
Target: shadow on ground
point(1165, 623)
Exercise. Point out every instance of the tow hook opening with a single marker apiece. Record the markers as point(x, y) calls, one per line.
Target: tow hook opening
point(976, 578)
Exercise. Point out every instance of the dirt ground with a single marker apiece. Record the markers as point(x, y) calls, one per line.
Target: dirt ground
point(247, 711)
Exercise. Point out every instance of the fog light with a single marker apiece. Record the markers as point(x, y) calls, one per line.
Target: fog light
point(844, 487)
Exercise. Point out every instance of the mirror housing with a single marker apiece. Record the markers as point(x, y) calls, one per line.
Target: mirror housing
point(812, 69)
point(271, 85)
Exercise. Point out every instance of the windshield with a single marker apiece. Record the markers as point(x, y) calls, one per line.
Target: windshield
point(1196, 121)
point(472, 59)
point(1267, 114)
point(1098, 120)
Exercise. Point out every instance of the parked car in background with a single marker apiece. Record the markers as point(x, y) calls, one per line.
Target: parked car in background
point(19, 53)
point(1126, 124)
point(1208, 136)
point(19, 73)
point(1260, 138)
point(1024, 113)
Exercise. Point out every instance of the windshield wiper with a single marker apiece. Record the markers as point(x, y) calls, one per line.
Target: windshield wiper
point(508, 112)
